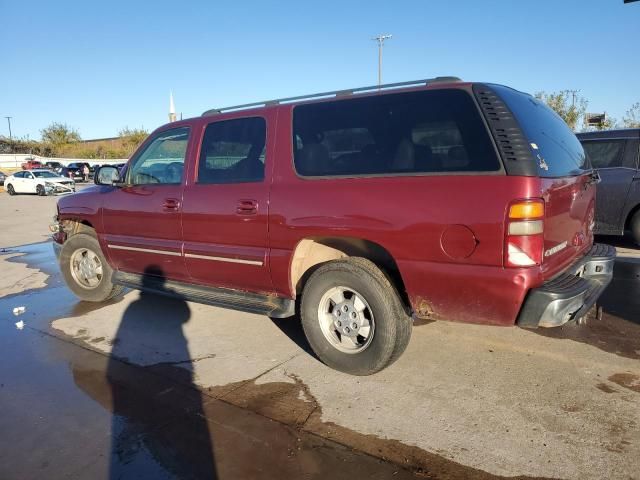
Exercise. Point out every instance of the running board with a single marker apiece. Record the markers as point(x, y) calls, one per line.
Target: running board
point(270, 305)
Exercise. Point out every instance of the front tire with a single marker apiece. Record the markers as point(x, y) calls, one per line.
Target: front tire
point(353, 317)
point(40, 190)
point(11, 190)
point(86, 270)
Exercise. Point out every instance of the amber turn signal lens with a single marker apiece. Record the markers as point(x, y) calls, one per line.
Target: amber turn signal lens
point(527, 210)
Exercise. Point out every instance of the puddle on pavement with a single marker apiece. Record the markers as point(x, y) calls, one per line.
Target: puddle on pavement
point(35, 255)
point(43, 305)
point(293, 404)
point(104, 417)
point(73, 413)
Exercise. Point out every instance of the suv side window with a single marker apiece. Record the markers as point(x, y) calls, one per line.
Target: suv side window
point(604, 153)
point(631, 154)
point(162, 161)
point(233, 151)
point(439, 131)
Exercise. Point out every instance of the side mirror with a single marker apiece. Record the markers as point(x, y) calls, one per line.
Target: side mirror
point(107, 175)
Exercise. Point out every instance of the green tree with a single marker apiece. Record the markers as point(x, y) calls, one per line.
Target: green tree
point(632, 117)
point(132, 138)
point(566, 103)
point(59, 134)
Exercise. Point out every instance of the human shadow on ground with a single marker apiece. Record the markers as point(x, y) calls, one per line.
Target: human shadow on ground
point(157, 423)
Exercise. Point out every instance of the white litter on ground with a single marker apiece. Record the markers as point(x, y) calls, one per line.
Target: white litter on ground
point(20, 325)
point(19, 310)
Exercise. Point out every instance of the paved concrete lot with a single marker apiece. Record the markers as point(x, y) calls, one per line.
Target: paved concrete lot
point(162, 388)
point(25, 218)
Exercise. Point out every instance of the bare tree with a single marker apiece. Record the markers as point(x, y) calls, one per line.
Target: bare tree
point(566, 103)
point(132, 138)
point(632, 117)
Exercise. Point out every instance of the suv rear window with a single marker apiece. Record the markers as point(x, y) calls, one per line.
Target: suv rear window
point(557, 150)
point(437, 131)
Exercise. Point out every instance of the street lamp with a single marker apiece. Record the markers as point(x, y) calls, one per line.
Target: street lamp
point(9, 122)
point(380, 39)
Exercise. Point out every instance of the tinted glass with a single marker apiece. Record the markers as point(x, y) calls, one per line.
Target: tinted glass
point(604, 154)
point(19, 175)
point(45, 174)
point(557, 151)
point(233, 151)
point(162, 160)
point(631, 154)
point(438, 131)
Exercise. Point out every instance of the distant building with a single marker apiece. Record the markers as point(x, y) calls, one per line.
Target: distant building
point(98, 141)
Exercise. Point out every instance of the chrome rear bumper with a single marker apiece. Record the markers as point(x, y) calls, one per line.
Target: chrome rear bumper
point(570, 295)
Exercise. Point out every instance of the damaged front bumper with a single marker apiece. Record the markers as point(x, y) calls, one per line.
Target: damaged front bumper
point(59, 188)
point(58, 235)
point(569, 296)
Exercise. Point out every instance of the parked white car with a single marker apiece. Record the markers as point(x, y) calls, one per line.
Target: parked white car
point(40, 181)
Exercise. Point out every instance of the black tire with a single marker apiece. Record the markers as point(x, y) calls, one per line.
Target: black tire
point(105, 290)
point(11, 190)
point(40, 190)
point(392, 325)
point(635, 227)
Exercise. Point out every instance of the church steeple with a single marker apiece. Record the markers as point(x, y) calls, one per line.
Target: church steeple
point(172, 108)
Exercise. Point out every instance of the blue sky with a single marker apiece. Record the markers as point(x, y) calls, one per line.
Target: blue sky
point(100, 66)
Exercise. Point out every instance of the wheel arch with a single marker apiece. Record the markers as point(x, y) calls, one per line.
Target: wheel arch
point(630, 215)
point(74, 225)
point(312, 252)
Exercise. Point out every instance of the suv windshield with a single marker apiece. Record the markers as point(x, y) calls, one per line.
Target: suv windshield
point(557, 150)
point(44, 174)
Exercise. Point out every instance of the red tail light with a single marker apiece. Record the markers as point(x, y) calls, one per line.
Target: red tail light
point(524, 239)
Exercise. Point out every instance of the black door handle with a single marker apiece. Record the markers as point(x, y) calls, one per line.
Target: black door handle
point(171, 204)
point(247, 207)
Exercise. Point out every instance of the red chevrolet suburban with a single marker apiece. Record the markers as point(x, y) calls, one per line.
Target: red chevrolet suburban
point(361, 210)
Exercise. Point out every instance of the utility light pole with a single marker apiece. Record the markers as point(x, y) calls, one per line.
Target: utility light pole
point(9, 122)
point(380, 39)
point(573, 97)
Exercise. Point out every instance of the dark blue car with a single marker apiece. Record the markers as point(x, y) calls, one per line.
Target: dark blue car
point(615, 155)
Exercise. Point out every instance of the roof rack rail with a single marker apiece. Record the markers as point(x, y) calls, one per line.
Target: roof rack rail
point(336, 93)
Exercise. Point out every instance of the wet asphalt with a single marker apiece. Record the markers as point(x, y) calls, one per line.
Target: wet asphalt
point(69, 411)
